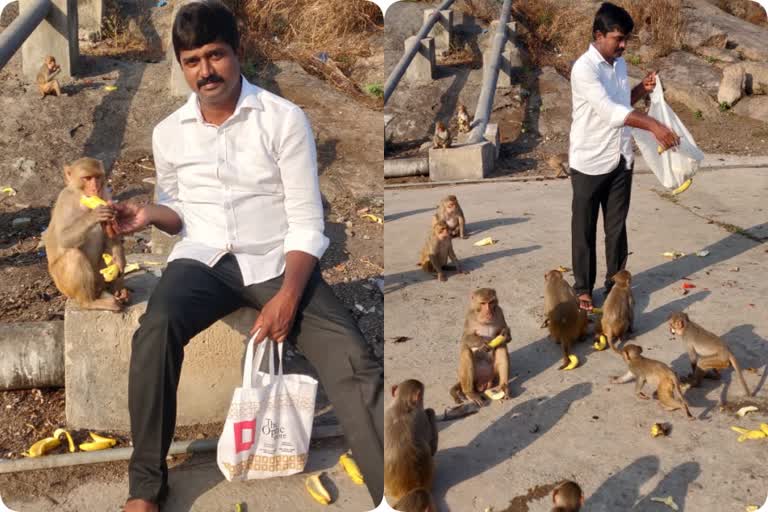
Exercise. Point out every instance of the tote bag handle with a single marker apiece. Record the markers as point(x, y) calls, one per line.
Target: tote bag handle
point(259, 355)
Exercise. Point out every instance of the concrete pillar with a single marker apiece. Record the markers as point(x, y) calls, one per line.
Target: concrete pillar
point(90, 13)
point(422, 67)
point(179, 86)
point(442, 31)
point(493, 136)
point(511, 58)
point(57, 36)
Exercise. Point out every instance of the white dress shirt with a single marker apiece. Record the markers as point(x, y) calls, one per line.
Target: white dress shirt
point(601, 104)
point(248, 187)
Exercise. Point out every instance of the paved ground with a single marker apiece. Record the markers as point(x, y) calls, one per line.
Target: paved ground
point(575, 424)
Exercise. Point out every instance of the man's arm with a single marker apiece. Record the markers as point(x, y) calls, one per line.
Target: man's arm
point(644, 88)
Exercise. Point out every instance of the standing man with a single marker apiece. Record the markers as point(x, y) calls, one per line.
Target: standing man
point(600, 155)
point(237, 176)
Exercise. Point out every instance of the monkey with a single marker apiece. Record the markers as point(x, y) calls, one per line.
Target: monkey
point(657, 374)
point(462, 119)
point(559, 164)
point(436, 251)
point(705, 350)
point(442, 138)
point(567, 497)
point(482, 367)
point(566, 321)
point(410, 443)
point(418, 500)
point(75, 240)
point(46, 84)
point(619, 309)
point(451, 213)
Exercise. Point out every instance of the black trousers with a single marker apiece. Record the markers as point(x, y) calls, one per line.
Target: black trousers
point(191, 296)
point(611, 192)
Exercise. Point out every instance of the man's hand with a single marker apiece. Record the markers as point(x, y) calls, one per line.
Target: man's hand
point(130, 217)
point(649, 82)
point(276, 317)
point(665, 136)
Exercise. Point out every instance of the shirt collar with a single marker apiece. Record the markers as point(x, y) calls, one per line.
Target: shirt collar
point(597, 57)
point(249, 99)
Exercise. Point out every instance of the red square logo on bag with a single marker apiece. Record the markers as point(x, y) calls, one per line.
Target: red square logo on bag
point(244, 435)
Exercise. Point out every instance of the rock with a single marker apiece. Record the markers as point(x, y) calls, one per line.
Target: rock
point(756, 77)
point(704, 21)
point(692, 97)
point(686, 68)
point(700, 31)
point(20, 222)
point(732, 85)
point(717, 55)
point(755, 107)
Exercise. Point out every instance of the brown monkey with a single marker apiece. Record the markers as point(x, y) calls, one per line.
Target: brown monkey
point(462, 119)
point(436, 251)
point(705, 350)
point(442, 138)
point(482, 367)
point(657, 374)
point(619, 309)
point(418, 500)
point(451, 213)
point(559, 164)
point(410, 442)
point(566, 321)
point(567, 497)
point(46, 84)
point(75, 240)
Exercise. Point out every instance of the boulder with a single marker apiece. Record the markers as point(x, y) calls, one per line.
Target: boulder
point(686, 68)
point(705, 22)
point(756, 77)
point(732, 85)
point(717, 55)
point(755, 107)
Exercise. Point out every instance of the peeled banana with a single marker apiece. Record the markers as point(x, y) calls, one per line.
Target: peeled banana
point(574, 362)
point(42, 447)
point(601, 343)
point(494, 394)
point(495, 342)
point(92, 202)
point(71, 443)
point(98, 443)
point(316, 490)
point(485, 241)
point(350, 466)
point(682, 188)
point(111, 272)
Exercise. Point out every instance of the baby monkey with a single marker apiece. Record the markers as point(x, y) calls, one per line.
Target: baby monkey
point(567, 497)
point(436, 251)
point(706, 350)
point(449, 211)
point(46, 83)
point(657, 374)
point(462, 119)
point(442, 138)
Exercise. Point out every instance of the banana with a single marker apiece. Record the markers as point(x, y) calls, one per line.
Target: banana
point(485, 241)
point(350, 466)
point(374, 218)
point(751, 508)
point(740, 430)
point(764, 427)
point(71, 443)
point(98, 443)
point(744, 410)
point(659, 149)
point(494, 394)
point(682, 188)
point(601, 343)
point(753, 434)
point(98, 438)
point(668, 501)
point(495, 342)
point(657, 429)
point(574, 362)
point(92, 202)
point(597, 311)
point(316, 490)
point(111, 272)
point(42, 447)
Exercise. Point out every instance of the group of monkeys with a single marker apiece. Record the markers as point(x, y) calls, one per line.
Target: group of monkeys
point(442, 138)
point(410, 430)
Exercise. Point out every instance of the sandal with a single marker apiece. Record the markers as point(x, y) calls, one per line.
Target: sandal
point(585, 302)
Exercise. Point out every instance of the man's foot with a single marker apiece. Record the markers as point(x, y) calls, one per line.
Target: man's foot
point(585, 302)
point(139, 505)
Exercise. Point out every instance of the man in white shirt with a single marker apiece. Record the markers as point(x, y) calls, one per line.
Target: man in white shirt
point(237, 176)
point(600, 155)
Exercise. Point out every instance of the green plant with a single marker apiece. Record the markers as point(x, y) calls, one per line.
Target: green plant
point(698, 114)
point(711, 59)
point(250, 70)
point(375, 90)
point(724, 106)
point(634, 59)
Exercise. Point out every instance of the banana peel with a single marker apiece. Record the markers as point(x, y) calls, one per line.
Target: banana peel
point(71, 443)
point(374, 218)
point(668, 501)
point(574, 362)
point(744, 410)
point(495, 342)
point(316, 489)
point(92, 202)
point(597, 311)
point(682, 188)
point(111, 271)
point(352, 469)
point(657, 429)
point(601, 343)
point(752, 434)
point(740, 430)
point(98, 443)
point(484, 241)
point(131, 267)
point(42, 447)
point(764, 427)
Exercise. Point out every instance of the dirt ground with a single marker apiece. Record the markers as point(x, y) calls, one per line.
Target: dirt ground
point(39, 136)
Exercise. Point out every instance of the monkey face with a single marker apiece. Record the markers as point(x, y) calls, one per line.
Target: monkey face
point(450, 207)
point(212, 71)
point(486, 309)
point(92, 184)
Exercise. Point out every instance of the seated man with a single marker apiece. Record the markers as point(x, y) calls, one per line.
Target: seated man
point(46, 84)
point(237, 176)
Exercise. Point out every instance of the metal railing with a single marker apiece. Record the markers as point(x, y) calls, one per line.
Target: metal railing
point(399, 70)
point(14, 35)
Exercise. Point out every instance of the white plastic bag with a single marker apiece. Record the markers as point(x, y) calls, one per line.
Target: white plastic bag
point(269, 423)
point(674, 166)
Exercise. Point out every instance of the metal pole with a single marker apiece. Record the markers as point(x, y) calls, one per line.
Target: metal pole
point(14, 35)
point(410, 53)
point(485, 102)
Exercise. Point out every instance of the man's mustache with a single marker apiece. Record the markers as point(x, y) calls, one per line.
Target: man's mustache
point(212, 79)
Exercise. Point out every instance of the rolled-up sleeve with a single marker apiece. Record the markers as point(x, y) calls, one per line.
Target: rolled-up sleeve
point(297, 160)
point(586, 85)
point(167, 184)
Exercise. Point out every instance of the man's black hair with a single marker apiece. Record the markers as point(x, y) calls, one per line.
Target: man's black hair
point(202, 22)
point(611, 17)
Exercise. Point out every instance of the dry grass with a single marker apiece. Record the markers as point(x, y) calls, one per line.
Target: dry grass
point(483, 10)
point(124, 37)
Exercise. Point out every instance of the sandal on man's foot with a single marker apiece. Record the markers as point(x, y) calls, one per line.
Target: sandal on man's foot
point(585, 303)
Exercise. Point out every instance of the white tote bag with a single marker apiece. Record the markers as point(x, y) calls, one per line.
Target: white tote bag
point(269, 423)
point(674, 166)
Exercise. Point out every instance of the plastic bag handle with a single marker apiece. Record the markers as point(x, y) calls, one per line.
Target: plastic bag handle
point(259, 355)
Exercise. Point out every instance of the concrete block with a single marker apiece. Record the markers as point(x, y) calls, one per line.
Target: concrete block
point(442, 31)
point(90, 13)
point(33, 355)
point(178, 84)
point(493, 136)
point(56, 35)
point(97, 355)
point(422, 67)
point(465, 162)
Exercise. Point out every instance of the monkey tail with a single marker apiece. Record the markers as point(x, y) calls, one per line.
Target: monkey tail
point(740, 375)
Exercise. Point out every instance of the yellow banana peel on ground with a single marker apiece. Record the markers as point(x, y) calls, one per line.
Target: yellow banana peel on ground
point(668, 501)
point(574, 362)
point(98, 443)
point(601, 343)
point(42, 447)
point(131, 267)
point(744, 410)
point(71, 443)
point(484, 242)
point(316, 489)
point(374, 218)
point(351, 467)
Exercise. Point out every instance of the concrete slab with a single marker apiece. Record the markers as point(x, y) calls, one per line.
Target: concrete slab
point(57, 36)
point(422, 67)
point(575, 424)
point(178, 85)
point(442, 30)
point(33, 355)
point(461, 162)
